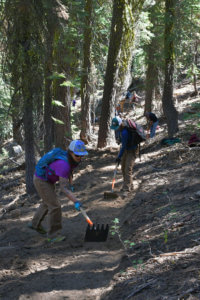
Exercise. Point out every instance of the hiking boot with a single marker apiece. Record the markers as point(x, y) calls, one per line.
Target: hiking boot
point(39, 229)
point(57, 239)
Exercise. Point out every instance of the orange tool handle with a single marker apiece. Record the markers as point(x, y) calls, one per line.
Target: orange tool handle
point(113, 184)
point(86, 216)
point(115, 172)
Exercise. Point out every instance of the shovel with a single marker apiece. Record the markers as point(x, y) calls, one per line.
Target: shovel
point(112, 194)
point(94, 233)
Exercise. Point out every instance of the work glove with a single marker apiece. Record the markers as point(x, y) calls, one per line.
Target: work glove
point(118, 160)
point(77, 205)
point(71, 188)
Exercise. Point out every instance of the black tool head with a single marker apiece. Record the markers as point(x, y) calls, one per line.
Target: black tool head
point(110, 195)
point(96, 233)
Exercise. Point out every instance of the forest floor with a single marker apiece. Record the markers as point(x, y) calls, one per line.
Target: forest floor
point(151, 254)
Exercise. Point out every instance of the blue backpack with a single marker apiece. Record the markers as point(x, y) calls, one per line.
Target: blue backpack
point(47, 159)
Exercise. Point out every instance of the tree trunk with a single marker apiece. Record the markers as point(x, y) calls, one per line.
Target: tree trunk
point(29, 68)
point(17, 119)
point(24, 60)
point(167, 99)
point(48, 126)
point(151, 75)
point(62, 113)
point(153, 60)
point(130, 18)
point(27, 91)
point(29, 144)
point(108, 100)
point(195, 66)
point(86, 88)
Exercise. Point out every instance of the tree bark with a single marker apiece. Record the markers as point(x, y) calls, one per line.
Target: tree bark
point(195, 65)
point(27, 91)
point(151, 76)
point(17, 119)
point(167, 99)
point(29, 68)
point(153, 60)
point(48, 125)
point(29, 145)
point(109, 92)
point(62, 131)
point(86, 88)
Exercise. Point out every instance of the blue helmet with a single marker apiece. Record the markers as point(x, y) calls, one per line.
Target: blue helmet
point(116, 122)
point(78, 148)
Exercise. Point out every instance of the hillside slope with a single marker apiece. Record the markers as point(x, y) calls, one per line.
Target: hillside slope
point(152, 253)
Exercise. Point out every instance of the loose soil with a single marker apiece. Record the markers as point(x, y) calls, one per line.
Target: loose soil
point(151, 254)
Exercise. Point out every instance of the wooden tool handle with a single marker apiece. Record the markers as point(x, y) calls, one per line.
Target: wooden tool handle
point(86, 216)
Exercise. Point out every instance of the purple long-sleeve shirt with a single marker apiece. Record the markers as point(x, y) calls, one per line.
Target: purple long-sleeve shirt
point(58, 168)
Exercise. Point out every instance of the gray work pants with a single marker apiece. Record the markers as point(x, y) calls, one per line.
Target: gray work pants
point(50, 206)
point(128, 161)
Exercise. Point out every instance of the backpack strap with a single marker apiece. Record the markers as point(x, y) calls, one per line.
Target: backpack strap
point(139, 152)
point(131, 123)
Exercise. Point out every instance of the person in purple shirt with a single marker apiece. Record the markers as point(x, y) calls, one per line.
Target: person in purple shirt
point(61, 170)
point(127, 154)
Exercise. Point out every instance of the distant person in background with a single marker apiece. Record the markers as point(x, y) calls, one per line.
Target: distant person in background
point(74, 103)
point(134, 99)
point(122, 105)
point(152, 123)
point(128, 95)
point(118, 109)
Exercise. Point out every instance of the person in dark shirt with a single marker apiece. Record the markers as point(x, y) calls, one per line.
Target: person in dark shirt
point(128, 95)
point(74, 102)
point(127, 154)
point(152, 123)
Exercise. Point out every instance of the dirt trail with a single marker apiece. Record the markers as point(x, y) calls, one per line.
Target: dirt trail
point(31, 268)
point(160, 218)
